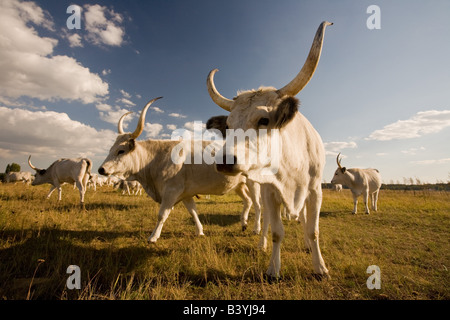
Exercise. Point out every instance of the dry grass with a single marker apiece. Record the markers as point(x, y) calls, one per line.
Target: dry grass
point(407, 238)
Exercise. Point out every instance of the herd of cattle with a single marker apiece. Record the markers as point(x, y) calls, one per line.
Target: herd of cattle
point(295, 186)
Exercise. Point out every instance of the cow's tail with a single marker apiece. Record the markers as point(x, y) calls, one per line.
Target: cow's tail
point(89, 167)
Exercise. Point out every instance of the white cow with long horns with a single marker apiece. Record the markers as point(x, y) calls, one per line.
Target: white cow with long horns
point(360, 181)
point(295, 178)
point(165, 181)
point(61, 171)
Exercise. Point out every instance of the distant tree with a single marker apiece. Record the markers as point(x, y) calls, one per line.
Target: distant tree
point(13, 167)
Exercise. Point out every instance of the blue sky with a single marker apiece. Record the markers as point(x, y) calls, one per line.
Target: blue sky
point(380, 97)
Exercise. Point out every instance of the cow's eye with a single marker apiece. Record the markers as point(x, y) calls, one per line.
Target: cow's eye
point(263, 122)
point(120, 152)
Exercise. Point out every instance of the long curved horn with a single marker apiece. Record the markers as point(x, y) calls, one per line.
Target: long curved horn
point(141, 123)
point(220, 100)
point(29, 163)
point(308, 69)
point(120, 124)
point(338, 161)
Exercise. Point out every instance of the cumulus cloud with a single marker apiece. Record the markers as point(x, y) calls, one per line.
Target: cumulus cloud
point(29, 67)
point(153, 130)
point(422, 123)
point(49, 134)
point(192, 125)
point(103, 25)
point(333, 148)
point(112, 114)
point(74, 40)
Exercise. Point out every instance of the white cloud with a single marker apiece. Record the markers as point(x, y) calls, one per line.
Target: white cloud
point(125, 94)
point(106, 72)
point(333, 148)
point(191, 125)
point(103, 25)
point(49, 134)
point(171, 127)
point(29, 67)
point(412, 151)
point(430, 162)
point(153, 129)
point(422, 123)
point(156, 109)
point(126, 101)
point(112, 114)
point(74, 40)
point(177, 115)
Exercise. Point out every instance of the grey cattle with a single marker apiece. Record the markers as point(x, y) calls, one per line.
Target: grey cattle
point(360, 181)
point(150, 162)
point(61, 171)
point(23, 176)
point(293, 175)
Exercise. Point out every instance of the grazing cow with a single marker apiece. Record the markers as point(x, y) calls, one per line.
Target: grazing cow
point(126, 186)
point(93, 181)
point(360, 181)
point(23, 176)
point(337, 187)
point(63, 170)
point(111, 180)
point(101, 180)
point(165, 181)
point(295, 178)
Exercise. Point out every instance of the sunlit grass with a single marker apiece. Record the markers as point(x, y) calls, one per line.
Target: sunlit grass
point(407, 238)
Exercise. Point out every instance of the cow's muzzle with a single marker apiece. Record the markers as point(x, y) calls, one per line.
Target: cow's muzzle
point(102, 171)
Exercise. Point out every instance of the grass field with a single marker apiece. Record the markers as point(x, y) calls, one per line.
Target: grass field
point(408, 238)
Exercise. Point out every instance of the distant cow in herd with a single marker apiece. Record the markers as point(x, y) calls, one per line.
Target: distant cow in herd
point(64, 171)
point(365, 182)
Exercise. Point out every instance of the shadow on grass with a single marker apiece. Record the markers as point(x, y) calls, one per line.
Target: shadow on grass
point(222, 220)
point(35, 263)
point(94, 206)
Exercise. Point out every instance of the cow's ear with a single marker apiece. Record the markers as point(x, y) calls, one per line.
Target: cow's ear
point(286, 110)
point(43, 171)
point(343, 169)
point(131, 144)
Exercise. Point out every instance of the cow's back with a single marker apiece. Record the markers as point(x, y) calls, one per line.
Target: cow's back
point(70, 170)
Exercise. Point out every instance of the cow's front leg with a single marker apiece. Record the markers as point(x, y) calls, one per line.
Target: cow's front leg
point(273, 208)
point(241, 191)
point(255, 194)
point(52, 188)
point(355, 203)
point(163, 214)
point(192, 208)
